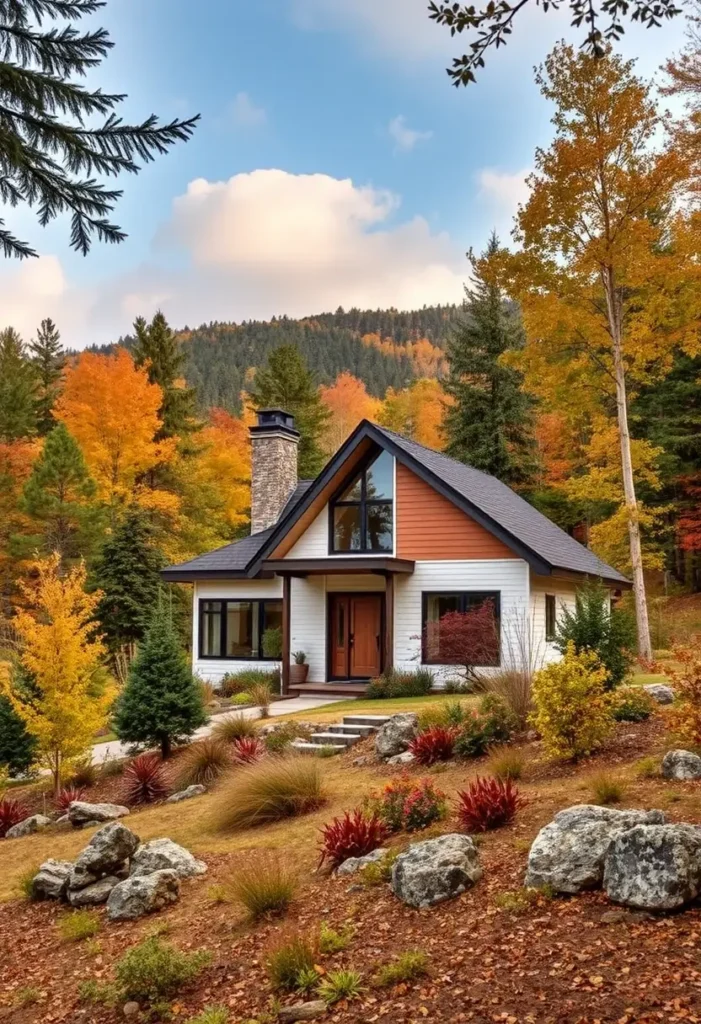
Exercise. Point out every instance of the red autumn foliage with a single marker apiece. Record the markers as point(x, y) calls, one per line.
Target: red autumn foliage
point(353, 835)
point(67, 795)
point(469, 639)
point(434, 744)
point(488, 804)
point(11, 813)
point(144, 780)
point(246, 750)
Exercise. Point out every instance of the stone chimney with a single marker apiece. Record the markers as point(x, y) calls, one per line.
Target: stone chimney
point(274, 442)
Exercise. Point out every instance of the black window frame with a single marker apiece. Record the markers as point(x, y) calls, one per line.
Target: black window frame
point(486, 595)
point(362, 504)
point(223, 602)
point(550, 618)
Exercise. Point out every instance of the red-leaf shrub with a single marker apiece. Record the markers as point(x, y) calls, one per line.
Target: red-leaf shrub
point(144, 780)
point(67, 795)
point(353, 835)
point(11, 813)
point(434, 744)
point(246, 750)
point(487, 804)
point(408, 804)
point(468, 639)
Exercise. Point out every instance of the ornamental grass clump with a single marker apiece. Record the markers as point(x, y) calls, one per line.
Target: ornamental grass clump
point(506, 763)
point(434, 744)
point(488, 804)
point(408, 805)
point(233, 727)
point(352, 835)
point(203, 763)
point(573, 711)
point(341, 985)
point(405, 967)
point(292, 954)
point(607, 789)
point(270, 790)
point(265, 886)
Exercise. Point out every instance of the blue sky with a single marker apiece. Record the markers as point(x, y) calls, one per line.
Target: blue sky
point(334, 163)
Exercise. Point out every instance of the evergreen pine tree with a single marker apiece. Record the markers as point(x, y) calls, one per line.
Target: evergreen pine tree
point(128, 574)
point(489, 425)
point(17, 747)
point(158, 348)
point(58, 135)
point(59, 497)
point(286, 383)
point(17, 389)
point(48, 360)
point(161, 702)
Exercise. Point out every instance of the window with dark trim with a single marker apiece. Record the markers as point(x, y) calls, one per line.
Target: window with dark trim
point(435, 605)
point(550, 617)
point(234, 629)
point(361, 514)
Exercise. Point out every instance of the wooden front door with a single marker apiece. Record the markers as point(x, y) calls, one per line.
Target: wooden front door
point(355, 635)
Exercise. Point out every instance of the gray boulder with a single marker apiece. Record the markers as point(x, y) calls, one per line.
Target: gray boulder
point(660, 692)
point(107, 853)
point(435, 870)
point(186, 794)
point(51, 881)
point(165, 855)
point(352, 865)
point(395, 735)
point(654, 867)
point(28, 826)
point(142, 894)
point(568, 854)
point(81, 813)
point(93, 895)
point(405, 758)
point(681, 764)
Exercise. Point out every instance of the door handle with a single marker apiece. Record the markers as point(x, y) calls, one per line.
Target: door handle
point(351, 639)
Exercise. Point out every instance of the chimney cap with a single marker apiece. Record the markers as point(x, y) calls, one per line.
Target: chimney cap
point(275, 421)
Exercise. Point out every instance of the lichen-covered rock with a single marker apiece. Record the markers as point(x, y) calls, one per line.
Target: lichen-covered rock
point(51, 881)
point(165, 855)
point(568, 854)
point(654, 867)
point(142, 894)
point(395, 735)
point(186, 794)
point(95, 894)
point(81, 813)
point(28, 826)
point(681, 765)
point(302, 1011)
point(660, 692)
point(404, 758)
point(435, 870)
point(352, 865)
point(107, 853)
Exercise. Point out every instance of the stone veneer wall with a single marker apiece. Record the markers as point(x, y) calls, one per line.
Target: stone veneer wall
point(273, 476)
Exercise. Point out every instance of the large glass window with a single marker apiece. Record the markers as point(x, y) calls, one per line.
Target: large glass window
point(234, 629)
point(361, 515)
point(461, 627)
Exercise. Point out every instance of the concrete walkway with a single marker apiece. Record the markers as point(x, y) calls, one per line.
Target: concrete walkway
point(114, 749)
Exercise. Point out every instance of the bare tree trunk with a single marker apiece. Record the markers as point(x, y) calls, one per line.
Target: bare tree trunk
point(636, 555)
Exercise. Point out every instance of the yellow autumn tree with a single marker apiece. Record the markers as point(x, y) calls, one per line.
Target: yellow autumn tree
point(348, 402)
point(417, 411)
point(111, 409)
point(68, 700)
point(608, 275)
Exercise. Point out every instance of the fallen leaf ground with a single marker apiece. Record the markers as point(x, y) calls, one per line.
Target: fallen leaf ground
point(562, 961)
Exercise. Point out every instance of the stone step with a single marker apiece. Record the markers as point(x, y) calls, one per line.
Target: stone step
point(314, 748)
point(337, 739)
point(375, 720)
point(362, 730)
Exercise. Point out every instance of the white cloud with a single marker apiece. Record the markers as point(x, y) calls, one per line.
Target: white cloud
point(501, 193)
point(399, 27)
point(405, 138)
point(243, 112)
point(263, 243)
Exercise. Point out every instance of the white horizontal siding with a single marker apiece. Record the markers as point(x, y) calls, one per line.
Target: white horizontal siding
point(213, 669)
point(564, 592)
point(308, 624)
point(508, 576)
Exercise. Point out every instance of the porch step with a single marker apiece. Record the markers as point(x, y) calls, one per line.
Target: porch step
point(337, 739)
point(314, 748)
point(374, 720)
point(363, 730)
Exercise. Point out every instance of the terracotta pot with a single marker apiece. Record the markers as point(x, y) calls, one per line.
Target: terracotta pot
point(298, 673)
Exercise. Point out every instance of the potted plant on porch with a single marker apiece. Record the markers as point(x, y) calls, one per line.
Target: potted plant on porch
point(299, 669)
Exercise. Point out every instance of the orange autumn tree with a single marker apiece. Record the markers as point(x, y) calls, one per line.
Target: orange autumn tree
point(608, 274)
point(219, 481)
point(111, 409)
point(417, 411)
point(348, 402)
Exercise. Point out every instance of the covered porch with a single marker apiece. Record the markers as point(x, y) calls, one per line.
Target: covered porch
point(340, 611)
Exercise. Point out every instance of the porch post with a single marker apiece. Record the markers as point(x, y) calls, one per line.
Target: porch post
point(389, 622)
point(286, 654)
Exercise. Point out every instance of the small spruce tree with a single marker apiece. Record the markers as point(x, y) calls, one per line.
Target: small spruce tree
point(161, 702)
point(17, 747)
point(17, 389)
point(48, 360)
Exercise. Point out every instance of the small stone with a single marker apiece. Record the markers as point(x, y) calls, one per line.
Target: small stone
point(165, 855)
point(186, 794)
point(142, 894)
point(360, 762)
point(131, 1009)
point(93, 895)
point(352, 865)
point(659, 692)
point(51, 881)
point(302, 1011)
point(406, 757)
point(435, 870)
point(395, 735)
point(81, 813)
point(681, 765)
point(28, 826)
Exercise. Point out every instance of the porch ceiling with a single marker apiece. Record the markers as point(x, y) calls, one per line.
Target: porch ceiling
point(337, 566)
